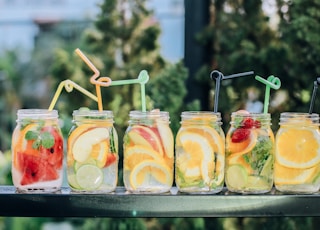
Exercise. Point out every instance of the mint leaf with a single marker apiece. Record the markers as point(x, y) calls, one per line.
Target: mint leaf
point(47, 140)
point(31, 135)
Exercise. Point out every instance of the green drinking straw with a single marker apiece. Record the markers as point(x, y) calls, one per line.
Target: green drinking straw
point(271, 82)
point(142, 79)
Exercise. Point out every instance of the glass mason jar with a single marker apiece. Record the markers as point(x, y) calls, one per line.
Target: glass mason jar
point(92, 152)
point(148, 153)
point(297, 154)
point(200, 153)
point(37, 151)
point(249, 153)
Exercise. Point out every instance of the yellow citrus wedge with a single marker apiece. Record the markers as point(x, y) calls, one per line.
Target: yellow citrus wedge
point(82, 147)
point(198, 152)
point(298, 147)
point(243, 147)
point(143, 135)
point(286, 176)
point(99, 152)
point(136, 154)
point(150, 170)
point(213, 137)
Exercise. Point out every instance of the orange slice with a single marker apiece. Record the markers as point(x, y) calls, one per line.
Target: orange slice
point(243, 147)
point(197, 153)
point(100, 152)
point(236, 159)
point(286, 176)
point(134, 155)
point(298, 147)
point(150, 171)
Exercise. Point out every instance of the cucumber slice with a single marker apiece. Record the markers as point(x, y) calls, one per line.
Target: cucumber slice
point(72, 181)
point(89, 177)
point(236, 176)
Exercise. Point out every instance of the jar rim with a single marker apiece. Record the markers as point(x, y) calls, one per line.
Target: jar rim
point(37, 114)
point(92, 112)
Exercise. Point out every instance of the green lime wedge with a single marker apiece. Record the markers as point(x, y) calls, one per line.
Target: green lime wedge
point(266, 170)
point(89, 177)
point(236, 176)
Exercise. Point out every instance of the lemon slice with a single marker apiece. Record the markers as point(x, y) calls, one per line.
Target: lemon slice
point(134, 155)
point(298, 147)
point(89, 177)
point(83, 145)
point(199, 153)
point(150, 172)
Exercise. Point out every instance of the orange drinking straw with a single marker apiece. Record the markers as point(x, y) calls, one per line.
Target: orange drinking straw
point(104, 81)
point(69, 85)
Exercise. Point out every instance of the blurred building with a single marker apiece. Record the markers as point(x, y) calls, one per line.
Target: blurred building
point(20, 21)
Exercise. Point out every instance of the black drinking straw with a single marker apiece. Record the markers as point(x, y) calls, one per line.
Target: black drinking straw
point(314, 93)
point(218, 76)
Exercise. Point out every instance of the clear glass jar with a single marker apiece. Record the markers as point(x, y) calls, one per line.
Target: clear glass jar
point(92, 152)
point(200, 153)
point(148, 153)
point(249, 153)
point(297, 155)
point(37, 151)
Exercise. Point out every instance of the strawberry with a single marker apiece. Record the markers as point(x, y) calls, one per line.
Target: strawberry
point(257, 124)
point(247, 123)
point(240, 135)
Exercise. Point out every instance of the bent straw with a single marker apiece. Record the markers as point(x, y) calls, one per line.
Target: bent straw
point(142, 79)
point(218, 76)
point(69, 85)
point(271, 82)
point(98, 83)
point(314, 93)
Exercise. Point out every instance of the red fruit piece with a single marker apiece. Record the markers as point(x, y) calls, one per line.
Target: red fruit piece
point(248, 123)
point(53, 155)
point(240, 135)
point(257, 124)
point(110, 159)
point(34, 169)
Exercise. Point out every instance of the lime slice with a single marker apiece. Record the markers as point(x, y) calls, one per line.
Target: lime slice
point(72, 181)
point(89, 177)
point(77, 164)
point(236, 176)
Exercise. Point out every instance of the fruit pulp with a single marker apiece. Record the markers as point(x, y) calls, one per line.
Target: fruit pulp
point(92, 158)
point(37, 157)
point(249, 154)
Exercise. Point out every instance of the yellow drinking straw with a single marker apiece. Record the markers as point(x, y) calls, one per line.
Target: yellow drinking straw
point(103, 81)
point(69, 85)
